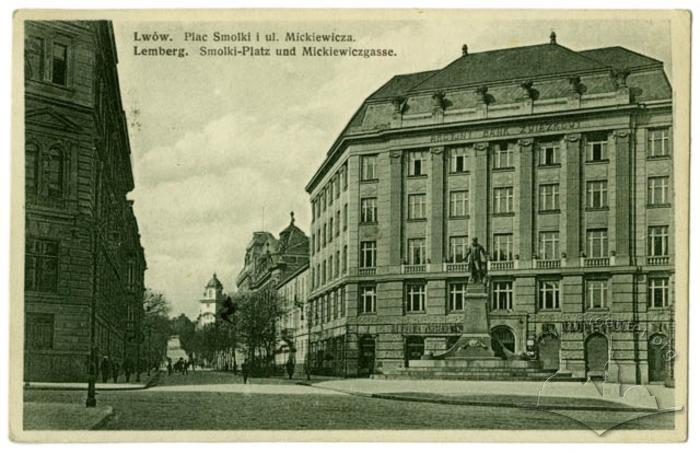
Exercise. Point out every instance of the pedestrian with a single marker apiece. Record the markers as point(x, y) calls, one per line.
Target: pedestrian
point(290, 367)
point(128, 369)
point(307, 369)
point(105, 369)
point(185, 366)
point(170, 366)
point(115, 371)
point(244, 370)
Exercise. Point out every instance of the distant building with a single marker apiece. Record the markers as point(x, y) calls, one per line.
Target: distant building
point(293, 325)
point(175, 351)
point(211, 303)
point(560, 162)
point(84, 263)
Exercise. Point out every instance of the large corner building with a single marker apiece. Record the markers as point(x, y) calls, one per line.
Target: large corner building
point(84, 263)
point(559, 162)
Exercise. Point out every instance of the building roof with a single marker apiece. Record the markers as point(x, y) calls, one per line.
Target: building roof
point(620, 58)
point(291, 237)
point(401, 84)
point(214, 283)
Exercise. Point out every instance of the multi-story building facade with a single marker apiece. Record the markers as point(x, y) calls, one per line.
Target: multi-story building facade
point(559, 162)
point(292, 325)
point(84, 263)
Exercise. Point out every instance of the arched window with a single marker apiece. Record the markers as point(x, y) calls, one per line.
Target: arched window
point(31, 157)
point(52, 172)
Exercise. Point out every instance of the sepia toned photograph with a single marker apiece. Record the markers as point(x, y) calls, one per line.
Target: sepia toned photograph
point(446, 225)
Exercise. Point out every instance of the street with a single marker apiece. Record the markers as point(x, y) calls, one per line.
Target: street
point(208, 400)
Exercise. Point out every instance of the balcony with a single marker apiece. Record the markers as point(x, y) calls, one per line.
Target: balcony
point(454, 267)
point(548, 264)
point(365, 271)
point(658, 260)
point(596, 262)
point(412, 268)
point(500, 265)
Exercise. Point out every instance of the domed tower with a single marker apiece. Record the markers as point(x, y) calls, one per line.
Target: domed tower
point(210, 304)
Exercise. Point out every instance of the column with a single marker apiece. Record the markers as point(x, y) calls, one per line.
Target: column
point(526, 200)
point(573, 196)
point(622, 194)
point(396, 208)
point(480, 196)
point(436, 225)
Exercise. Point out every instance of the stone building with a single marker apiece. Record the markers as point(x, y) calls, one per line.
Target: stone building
point(292, 326)
point(560, 162)
point(211, 302)
point(84, 263)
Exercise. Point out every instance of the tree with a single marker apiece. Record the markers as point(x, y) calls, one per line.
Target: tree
point(257, 313)
point(156, 327)
point(183, 327)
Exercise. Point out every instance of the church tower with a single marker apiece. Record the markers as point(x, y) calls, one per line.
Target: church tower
point(210, 304)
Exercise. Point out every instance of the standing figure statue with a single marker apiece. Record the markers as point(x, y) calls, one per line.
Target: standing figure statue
point(476, 262)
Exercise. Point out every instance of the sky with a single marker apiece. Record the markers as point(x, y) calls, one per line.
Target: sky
point(222, 147)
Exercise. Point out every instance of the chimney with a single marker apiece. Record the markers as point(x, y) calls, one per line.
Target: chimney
point(465, 50)
point(552, 38)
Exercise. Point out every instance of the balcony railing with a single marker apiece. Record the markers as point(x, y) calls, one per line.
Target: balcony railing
point(364, 271)
point(596, 262)
point(412, 268)
point(454, 267)
point(548, 264)
point(500, 265)
point(658, 260)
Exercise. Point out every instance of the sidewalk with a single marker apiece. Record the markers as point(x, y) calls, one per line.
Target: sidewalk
point(146, 381)
point(588, 395)
point(64, 416)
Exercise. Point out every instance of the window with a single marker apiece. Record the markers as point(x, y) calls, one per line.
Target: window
point(658, 241)
point(345, 259)
point(458, 160)
point(597, 243)
point(459, 203)
point(41, 265)
point(597, 150)
point(59, 66)
point(503, 200)
point(658, 292)
point(337, 223)
point(549, 154)
point(329, 189)
point(337, 264)
point(39, 333)
point(415, 297)
point(502, 156)
point(330, 230)
point(548, 292)
point(344, 176)
point(659, 144)
point(597, 194)
point(596, 294)
point(416, 206)
point(503, 247)
point(549, 197)
point(416, 251)
point(323, 272)
point(458, 248)
point(52, 173)
point(502, 296)
point(337, 184)
point(416, 163)
point(34, 61)
point(657, 190)
point(323, 232)
point(345, 216)
point(368, 299)
point(31, 154)
point(368, 210)
point(549, 245)
point(369, 168)
point(368, 254)
point(457, 291)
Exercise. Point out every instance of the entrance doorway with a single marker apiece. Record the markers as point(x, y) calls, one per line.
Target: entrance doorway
point(365, 361)
point(414, 350)
point(596, 355)
point(548, 348)
point(502, 341)
point(657, 353)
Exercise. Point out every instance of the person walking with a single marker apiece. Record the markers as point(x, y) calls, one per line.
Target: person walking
point(128, 369)
point(115, 371)
point(170, 366)
point(105, 369)
point(290, 367)
point(244, 370)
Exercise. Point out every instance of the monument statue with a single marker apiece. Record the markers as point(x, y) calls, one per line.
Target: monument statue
point(476, 262)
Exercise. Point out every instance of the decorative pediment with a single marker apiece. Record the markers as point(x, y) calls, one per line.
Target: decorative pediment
point(48, 117)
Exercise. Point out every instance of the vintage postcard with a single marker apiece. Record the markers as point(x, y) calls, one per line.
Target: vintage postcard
point(350, 225)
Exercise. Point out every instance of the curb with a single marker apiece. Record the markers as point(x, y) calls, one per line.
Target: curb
point(513, 405)
point(101, 423)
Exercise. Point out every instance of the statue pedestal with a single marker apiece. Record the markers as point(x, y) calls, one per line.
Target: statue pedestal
point(475, 341)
